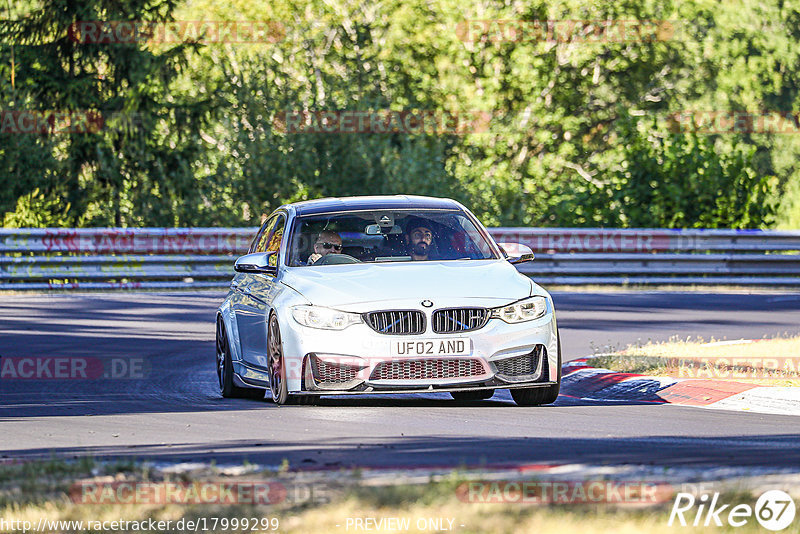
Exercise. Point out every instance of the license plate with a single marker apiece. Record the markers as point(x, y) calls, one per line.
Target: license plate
point(432, 347)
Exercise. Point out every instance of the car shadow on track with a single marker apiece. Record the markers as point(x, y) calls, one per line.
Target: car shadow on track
point(454, 452)
point(40, 402)
point(501, 398)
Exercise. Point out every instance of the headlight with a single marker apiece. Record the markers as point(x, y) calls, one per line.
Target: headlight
point(319, 317)
point(525, 310)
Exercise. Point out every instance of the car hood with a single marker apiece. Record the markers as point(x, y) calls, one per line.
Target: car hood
point(341, 285)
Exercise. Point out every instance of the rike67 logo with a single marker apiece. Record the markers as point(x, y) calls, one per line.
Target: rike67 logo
point(774, 510)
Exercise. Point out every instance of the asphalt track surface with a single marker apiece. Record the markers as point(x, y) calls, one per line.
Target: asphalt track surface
point(175, 414)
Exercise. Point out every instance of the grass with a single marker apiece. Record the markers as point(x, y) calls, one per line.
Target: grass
point(427, 507)
point(774, 362)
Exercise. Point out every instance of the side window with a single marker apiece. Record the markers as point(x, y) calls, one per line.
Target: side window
point(262, 234)
point(263, 237)
point(271, 240)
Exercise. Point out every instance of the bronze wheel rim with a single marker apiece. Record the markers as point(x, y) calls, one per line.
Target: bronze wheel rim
point(275, 359)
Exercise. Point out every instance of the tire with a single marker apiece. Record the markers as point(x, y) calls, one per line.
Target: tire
point(541, 395)
point(479, 394)
point(277, 370)
point(225, 370)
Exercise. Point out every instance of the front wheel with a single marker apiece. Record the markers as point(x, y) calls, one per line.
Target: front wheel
point(277, 370)
point(277, 366)
point(540, 395)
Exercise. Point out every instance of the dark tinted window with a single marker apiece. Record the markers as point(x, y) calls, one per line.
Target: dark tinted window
point(386, 236)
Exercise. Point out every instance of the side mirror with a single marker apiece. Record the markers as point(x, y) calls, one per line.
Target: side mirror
point(516, 252)
point(257, 263)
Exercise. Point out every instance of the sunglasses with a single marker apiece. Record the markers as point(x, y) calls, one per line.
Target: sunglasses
point(328, 246)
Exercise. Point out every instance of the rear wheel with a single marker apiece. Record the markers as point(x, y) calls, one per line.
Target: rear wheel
point(540, 395)
point(225, 370)
point(479, 394)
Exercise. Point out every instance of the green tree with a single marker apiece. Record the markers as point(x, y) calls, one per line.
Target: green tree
point(579, 131)
point(679, 180)
point(138, 169)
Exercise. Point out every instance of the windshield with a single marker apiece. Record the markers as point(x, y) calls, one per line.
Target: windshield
point(386, 236)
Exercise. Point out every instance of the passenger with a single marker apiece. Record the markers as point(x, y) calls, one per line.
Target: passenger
point(327, 242)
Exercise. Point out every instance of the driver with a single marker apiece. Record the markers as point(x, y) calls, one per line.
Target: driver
point(419, 238)
point(327, 242)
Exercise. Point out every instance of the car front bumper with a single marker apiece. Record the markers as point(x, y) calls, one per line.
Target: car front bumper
point(361, 361)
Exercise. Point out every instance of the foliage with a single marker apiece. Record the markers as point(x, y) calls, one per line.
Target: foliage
point(137, 169)
point(789, 209)
point(38, 210)
point(578, 135)
point(680, 180)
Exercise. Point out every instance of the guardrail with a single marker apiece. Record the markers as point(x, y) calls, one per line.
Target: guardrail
point(659, 256)
point(163, 258)
point(119, 258)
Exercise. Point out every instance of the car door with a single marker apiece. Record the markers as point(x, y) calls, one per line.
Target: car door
point(254, 294)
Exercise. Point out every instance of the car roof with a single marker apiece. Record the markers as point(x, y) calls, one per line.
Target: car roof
point(329, 205)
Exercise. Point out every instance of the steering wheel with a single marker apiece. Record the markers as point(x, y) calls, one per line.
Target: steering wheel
point(336, 259)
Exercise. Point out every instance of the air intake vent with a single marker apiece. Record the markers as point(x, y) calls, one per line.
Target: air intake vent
point(396, 322)
point(428, 369)
point(520, 366)
point(459, 320)
point(333, 373)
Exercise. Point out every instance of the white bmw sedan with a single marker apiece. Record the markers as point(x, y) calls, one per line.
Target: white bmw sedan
point(396, 294)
